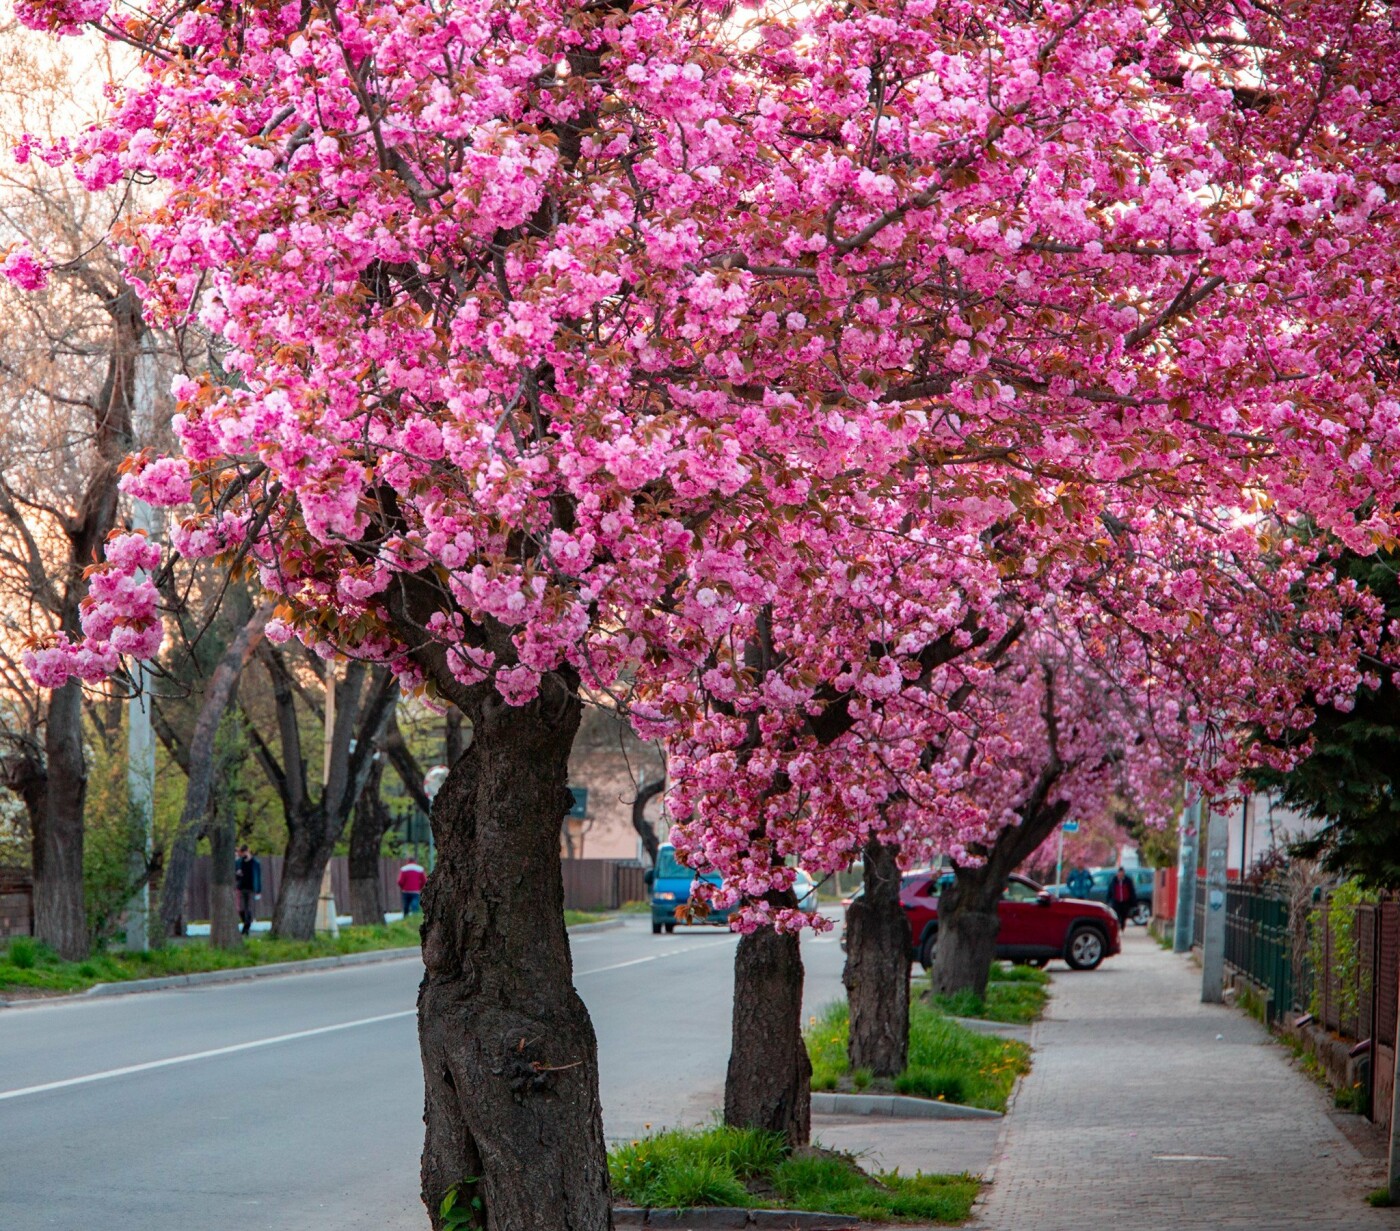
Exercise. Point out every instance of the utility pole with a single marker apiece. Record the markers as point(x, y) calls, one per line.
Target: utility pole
point(140, 738)
point(325, 906)
point(1213, 942)
point(1188, 829)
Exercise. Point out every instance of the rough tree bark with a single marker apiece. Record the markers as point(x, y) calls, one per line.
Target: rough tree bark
point(877, 967)
point(218, 693)
point(59, 919)
point(769, 1081)
point(639, 817)
point(509, 1055)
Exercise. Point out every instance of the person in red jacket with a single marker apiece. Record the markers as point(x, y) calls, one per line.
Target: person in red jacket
point(1122, 896)
point(411, 879)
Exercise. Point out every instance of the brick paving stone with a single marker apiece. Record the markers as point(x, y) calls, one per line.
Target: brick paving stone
point(1146, 1108)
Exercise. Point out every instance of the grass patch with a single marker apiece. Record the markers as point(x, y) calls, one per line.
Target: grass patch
point(635, 908)
point(1015, 1003)
point(749, 1168)
point(1015, 995)
point(26, 964)
point(572, 918)
point(1381, 1198)
point(947, 1061)
point(1350, 1098)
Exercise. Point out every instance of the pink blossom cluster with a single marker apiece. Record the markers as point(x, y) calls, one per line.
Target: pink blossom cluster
point(817, 396)
point(120, 617)
point(24, 269)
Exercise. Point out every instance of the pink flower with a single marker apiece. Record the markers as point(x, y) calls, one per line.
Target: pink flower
point(21, 268)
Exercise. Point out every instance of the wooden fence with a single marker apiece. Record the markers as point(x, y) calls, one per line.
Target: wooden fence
point(16, 902)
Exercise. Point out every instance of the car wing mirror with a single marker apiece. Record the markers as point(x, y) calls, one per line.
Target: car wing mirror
point(1045, 897)
point(649, 877)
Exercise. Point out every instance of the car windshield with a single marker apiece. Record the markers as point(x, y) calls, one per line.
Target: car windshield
point(668, 867)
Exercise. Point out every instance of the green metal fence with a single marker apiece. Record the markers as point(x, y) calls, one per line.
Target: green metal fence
point(1257, 944)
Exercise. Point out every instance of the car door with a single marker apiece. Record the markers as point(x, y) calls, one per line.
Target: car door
point(1022, 920)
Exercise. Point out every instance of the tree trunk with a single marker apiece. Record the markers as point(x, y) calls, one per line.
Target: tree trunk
point(644, 828)
point(366, 838)
point(967, 930)
point(224, 930)
point(59, 918)
point(769, 1082)
point(510, 1061)
point(309, 850)
point(877, 967)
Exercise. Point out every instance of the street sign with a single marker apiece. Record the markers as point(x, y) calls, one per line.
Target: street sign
point(1070, 827)
point(580, 794)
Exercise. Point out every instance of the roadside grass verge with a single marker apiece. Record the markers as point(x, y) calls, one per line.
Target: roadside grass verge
point(748, 1168)
point(27, 965)
point(947, 1061)
point(1015, 995)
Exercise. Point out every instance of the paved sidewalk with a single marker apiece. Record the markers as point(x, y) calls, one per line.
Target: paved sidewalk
point(1146, 1108)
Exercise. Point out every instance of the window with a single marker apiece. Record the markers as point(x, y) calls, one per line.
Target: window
point(668, 867)
point(1019, 891)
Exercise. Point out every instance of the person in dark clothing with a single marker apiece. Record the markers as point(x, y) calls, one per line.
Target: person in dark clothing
point(247, 880)
point(1122, 896)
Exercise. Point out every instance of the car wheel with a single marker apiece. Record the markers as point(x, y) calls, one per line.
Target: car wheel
point(670, 928)
point(1141, 915)
point(1085, 948)
point(926, 950)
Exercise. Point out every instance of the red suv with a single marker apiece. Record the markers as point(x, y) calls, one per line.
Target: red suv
point(1035, 926)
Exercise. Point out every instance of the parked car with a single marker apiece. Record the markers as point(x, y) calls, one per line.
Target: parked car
point(1143, 881)
point(1035, 925)
point(671, 883)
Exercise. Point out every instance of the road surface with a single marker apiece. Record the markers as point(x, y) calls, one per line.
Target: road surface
point(295, 1104)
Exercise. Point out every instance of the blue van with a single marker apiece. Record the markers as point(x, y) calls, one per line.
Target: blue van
point(670, 884)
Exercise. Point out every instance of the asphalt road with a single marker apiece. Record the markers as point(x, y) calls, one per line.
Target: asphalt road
point(295, 1104)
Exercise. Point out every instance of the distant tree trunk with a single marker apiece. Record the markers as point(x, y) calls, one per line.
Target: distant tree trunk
point(366, 840)
point(769, 1082)
point(877, 967)
point(309, 848)
point(510, 1060)
point(199, 784)
point(59, 917)
point(967, 930)
point(967, 909)
point(224, 930)
point(644, 828)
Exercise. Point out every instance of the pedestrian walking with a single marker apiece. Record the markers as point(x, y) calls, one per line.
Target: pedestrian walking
point(411, 880)
point(247, 879)
point(1122, 896)
point(1080, 883)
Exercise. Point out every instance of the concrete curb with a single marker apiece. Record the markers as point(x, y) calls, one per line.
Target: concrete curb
point(240, 974)
point(989, 1176)
point(899, 1105)
point(707, 1217)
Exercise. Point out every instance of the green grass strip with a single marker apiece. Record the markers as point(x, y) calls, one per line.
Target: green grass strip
point(947, 1061)
point(27, 964)
point(748, 1168)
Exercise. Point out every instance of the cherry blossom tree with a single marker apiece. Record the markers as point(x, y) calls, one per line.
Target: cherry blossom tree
point(577, 348)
